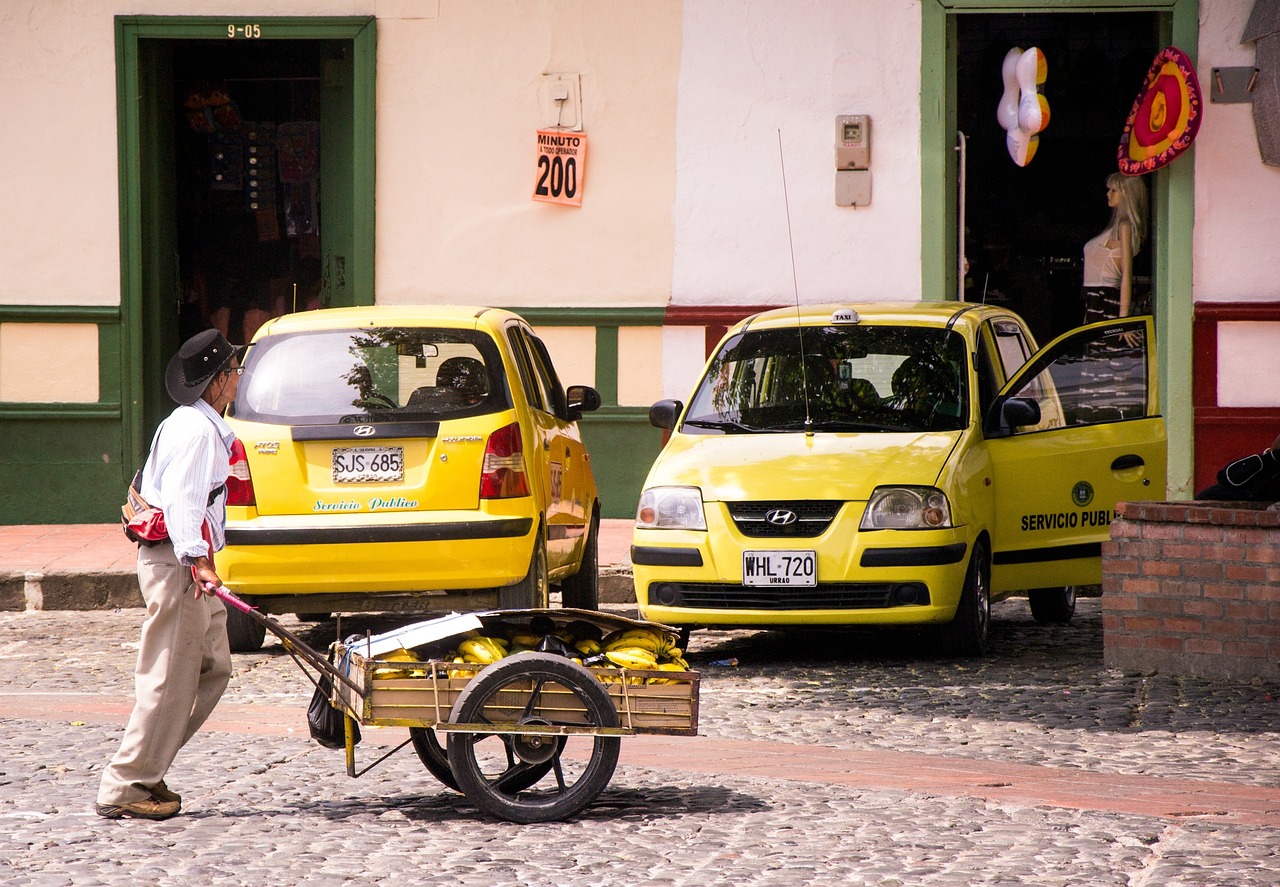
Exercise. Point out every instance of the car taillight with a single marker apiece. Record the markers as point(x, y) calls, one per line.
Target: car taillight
point(502, 476)
point(239, 483)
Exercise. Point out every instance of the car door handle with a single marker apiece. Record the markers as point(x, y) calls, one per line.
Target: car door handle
point(1132, 460)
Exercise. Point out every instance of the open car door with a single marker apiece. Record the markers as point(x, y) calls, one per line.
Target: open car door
point(1075, 431)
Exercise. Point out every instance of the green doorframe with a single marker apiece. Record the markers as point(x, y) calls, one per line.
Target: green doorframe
point(130, 32)
point(1172, 197)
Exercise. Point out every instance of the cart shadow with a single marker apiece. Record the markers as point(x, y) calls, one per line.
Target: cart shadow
point(654, 802)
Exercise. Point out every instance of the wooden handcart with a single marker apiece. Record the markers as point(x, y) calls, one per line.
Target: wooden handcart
point(532, 737)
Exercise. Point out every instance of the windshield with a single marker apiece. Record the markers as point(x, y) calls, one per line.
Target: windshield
point(387, 374)
point(858, 378)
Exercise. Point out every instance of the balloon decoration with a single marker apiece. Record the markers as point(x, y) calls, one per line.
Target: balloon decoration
point(1165, 117)
point(1022, 111)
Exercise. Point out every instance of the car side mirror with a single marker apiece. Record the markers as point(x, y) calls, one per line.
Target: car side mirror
point(664, 414)
point(582, 399)
point(1017, 412)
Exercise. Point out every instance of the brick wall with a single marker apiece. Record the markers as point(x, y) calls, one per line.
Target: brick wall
point(1193, 588)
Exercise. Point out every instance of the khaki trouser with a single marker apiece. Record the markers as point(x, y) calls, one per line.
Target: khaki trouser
point(184, 664)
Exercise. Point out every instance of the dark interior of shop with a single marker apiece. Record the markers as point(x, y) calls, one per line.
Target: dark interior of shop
point(1026, 225)
point(248, 184)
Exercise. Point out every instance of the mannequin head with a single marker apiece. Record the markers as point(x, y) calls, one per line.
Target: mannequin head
point(1127, 197)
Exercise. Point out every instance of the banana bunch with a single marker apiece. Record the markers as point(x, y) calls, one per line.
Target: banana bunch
point(390, 672)
point(646, 649)
point(481, 650)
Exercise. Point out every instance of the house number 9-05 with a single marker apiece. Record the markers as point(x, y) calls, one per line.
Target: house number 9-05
point(252, 31)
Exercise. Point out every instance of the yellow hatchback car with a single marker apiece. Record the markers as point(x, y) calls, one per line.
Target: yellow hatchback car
point(406, 458)
point(895, 464)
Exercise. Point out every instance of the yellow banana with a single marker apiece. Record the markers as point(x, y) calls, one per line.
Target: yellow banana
point(640, 642)
point(481, 650)
point(631, 657)
point(521, 639)
point(587, 647)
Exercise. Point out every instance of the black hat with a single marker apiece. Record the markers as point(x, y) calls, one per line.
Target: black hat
point(199, 359)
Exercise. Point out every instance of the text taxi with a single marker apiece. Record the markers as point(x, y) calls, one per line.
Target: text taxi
point(895, 464)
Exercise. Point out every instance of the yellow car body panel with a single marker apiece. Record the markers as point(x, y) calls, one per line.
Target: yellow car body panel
point(1005, 486)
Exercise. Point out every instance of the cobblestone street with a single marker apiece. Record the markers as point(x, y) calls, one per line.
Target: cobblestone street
point(828, 757)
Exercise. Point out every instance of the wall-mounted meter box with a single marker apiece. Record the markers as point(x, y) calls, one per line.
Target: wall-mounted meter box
point(853, 141)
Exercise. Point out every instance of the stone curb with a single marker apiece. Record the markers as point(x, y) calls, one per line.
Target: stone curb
point(36, 590)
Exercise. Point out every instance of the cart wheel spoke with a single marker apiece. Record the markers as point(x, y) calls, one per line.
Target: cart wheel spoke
point(514, 692)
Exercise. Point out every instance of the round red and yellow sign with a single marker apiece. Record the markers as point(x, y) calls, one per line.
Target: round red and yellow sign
point(1165, 117)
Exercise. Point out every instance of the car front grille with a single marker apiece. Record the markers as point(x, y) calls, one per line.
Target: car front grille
point(760, 520)
point(824, 596)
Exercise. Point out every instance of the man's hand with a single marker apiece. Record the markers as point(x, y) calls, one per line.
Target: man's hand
point(205, 578)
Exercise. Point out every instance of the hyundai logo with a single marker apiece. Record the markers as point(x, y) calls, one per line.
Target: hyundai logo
point(780, 517)
point(363, 431)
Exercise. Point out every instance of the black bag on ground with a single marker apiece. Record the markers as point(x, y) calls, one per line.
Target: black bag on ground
point(328, 724)
point(1251, 479)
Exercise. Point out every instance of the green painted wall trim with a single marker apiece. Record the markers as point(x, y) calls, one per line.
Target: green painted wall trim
point(59, 314)
point(591, 316)
point(1172, 192)
point(14, 410)
point(607, 363)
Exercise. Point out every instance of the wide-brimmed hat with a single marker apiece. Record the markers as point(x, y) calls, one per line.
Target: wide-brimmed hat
point(199, 359)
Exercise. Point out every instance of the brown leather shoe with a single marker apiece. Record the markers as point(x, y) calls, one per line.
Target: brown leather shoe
point(161, 792)
point(147, 808)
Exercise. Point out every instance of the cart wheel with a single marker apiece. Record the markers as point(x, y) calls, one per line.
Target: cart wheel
point(436, 760)
point(530, 688)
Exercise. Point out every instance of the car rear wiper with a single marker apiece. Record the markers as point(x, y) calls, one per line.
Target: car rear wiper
point(721, 425)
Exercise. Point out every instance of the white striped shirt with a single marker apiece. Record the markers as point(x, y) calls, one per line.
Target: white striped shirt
point(190, 458)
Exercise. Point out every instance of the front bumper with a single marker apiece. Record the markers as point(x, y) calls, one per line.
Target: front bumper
point(882, 577)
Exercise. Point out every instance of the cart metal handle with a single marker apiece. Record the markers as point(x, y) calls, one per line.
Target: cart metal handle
point(288, 639)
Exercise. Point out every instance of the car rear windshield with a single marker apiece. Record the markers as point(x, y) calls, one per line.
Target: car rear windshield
point(856, 378)
point(382, 374)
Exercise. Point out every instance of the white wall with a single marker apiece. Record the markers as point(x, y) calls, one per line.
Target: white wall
point(1237, 228)
point(750, 70)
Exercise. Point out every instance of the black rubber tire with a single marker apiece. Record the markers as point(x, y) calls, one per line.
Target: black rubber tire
point(531, 592)
point(244, 633)
point(582, 590)
point(1052, 606)
point(436, 760)
point(495, 791)
point(432, 755)
point(967, 634)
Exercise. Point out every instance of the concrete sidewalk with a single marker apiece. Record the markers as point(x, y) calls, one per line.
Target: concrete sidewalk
point(91, 566)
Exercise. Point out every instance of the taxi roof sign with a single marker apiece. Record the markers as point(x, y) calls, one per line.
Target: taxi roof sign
point(844, 315)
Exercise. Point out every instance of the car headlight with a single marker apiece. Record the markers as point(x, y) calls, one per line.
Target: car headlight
point(907, 508)
point(671, 508)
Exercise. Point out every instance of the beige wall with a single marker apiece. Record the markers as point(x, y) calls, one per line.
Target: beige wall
point(458, 109)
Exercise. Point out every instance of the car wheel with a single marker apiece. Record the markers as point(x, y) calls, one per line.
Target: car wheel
point(966, 634)
point(244, 634)
point(582, 589)
point(1053, 606)
point(530, 593)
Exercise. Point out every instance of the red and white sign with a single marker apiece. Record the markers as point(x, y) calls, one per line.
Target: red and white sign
point(561, 167)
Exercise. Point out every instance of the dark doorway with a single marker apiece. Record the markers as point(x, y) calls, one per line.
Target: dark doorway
point(250, 206)
point(1026, 226)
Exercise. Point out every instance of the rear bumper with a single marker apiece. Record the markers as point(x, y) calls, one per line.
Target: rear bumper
point(308, 557)
point(454, 531)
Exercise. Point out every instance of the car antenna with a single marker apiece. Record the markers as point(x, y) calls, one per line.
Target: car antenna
point(795, 287)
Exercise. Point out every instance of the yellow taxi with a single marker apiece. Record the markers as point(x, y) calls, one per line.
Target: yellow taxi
point(895, 464)
point(406, 458)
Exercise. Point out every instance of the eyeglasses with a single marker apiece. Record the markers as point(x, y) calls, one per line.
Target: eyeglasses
point(239, 371)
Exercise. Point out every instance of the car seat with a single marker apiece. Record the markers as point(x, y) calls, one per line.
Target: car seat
point(465, 375)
